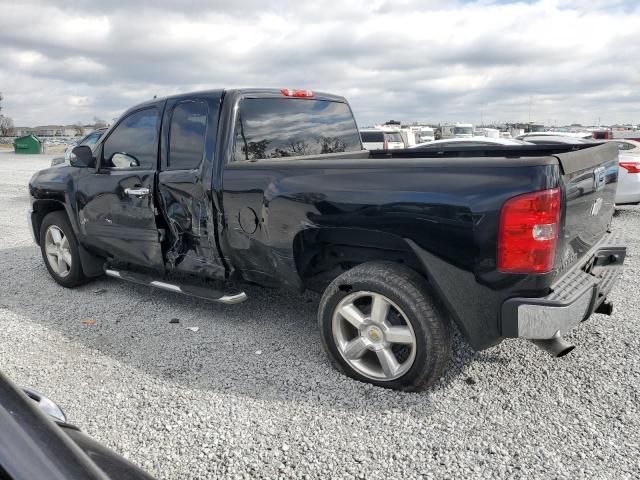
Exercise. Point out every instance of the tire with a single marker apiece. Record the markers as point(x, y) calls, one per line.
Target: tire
point(363, 348)
point(56, 225)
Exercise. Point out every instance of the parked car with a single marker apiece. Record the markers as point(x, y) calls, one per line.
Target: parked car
point(538, 135)
point(629, 182)
point(36, 442)
point(273, 187)
point(89, 139)
point(381, 139)
point(471, 142)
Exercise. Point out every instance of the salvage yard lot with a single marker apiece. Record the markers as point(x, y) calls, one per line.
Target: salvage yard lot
point(251, 393)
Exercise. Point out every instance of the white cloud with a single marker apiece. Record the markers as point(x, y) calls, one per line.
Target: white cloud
point(425, 60)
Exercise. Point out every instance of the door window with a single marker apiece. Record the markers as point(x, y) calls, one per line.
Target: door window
point(134, 142)
point(187, 135)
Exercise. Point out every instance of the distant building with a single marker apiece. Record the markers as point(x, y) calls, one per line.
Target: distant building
point(53, 130)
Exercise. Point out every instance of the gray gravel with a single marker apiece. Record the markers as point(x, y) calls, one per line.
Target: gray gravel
point(251, 394)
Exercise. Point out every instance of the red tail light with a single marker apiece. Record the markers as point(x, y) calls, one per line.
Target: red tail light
point(290, 92)
point(528, 235)
point(631, 167)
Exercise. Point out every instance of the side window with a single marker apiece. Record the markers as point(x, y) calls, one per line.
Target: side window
point(624, 146)
point(371, 137)
point(187, 135)
point(134, 142)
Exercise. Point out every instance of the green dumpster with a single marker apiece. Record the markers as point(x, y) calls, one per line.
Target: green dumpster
point(27, 144)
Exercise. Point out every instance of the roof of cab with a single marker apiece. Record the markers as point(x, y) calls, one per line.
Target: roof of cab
point(245, 92)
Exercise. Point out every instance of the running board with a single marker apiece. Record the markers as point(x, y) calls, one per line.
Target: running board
point(192, 291)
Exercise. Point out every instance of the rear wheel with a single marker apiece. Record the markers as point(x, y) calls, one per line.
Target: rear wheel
point(60, 250)
point(380, 325)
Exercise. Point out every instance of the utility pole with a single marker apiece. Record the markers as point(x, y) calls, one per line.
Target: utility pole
point(530, 102)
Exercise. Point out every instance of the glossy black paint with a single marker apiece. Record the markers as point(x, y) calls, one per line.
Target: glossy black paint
point(188, 203)
point(32, 446)
point(449, 212)
point(286, 222)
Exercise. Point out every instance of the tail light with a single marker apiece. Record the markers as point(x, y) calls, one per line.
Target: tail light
point(528, 235)
point(290, 92)
point(386, 142)
point(631, 167)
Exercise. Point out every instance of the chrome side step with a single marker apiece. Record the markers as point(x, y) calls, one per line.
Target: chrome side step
point(192, 291)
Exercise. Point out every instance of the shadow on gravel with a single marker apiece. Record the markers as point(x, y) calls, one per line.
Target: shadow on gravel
point(267, 347)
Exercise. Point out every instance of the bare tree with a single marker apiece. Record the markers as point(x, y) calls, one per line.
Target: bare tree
point(78, 129)
point(6, 126)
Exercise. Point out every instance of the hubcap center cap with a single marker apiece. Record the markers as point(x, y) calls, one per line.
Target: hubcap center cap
point(374, 334)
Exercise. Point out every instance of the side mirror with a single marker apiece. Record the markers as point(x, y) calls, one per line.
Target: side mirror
point(124, 160)
point(82, 157)
point(45, 404)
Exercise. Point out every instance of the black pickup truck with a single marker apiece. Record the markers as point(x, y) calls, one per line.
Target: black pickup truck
point(199, 192)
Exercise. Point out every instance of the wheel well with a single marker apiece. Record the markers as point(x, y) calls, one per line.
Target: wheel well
point(41, 209)
point(323, 254)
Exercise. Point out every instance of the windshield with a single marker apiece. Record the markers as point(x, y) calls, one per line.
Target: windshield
point(393, 137)
point(463, 130)
point(91, 139)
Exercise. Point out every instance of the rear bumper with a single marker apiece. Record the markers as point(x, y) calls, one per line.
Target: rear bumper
point(573, 298)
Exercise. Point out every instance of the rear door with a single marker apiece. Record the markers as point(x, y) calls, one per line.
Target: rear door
point(115, 204)
point(185, 185)
point(590, 177)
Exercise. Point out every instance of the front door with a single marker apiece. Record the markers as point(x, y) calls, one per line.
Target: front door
point(116, 207)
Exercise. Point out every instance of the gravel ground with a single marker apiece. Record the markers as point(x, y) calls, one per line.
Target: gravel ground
point(251, 394)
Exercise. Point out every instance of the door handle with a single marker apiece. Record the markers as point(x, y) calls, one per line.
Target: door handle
point(137, 192)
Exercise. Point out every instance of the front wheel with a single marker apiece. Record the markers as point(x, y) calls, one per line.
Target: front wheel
point(379, 325)
point(60, 250)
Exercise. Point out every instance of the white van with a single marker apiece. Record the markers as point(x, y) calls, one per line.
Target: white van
point(373, 139)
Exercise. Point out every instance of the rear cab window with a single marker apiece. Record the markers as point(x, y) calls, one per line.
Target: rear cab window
point(269, 128)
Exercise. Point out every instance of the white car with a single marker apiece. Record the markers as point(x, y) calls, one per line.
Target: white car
point(628, 191)
point(373, 139)
point(471, 142)
point(586, 135)
point(628, 172)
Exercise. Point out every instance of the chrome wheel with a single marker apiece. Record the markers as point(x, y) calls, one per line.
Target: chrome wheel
point(374, 336)
point(56, 247)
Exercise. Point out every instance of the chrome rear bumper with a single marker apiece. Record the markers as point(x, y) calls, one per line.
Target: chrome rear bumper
point(573, 298)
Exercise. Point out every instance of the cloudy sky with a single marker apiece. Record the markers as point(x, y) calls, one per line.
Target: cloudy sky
point(62, 61)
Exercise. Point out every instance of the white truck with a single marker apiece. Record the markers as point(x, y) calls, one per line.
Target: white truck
point(457, 130)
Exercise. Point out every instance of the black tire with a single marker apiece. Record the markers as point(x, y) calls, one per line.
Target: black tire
point(75, 276)
point(411, 293)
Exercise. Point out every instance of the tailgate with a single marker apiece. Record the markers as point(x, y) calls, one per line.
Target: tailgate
point(590, 178)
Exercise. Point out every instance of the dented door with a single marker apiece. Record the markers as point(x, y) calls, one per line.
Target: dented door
point(185, 186)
